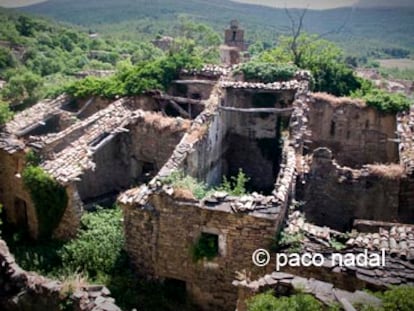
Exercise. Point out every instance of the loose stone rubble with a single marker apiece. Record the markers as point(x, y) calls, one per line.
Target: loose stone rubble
point(397, 243)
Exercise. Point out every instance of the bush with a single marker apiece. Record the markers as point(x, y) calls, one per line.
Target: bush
point(399, 299)
point(181, 181)
point(235, 186)
point(133, 80)
point(98, 244)
point(49, 198)
point(299, 302)
point(267, 72)
point(382, 100)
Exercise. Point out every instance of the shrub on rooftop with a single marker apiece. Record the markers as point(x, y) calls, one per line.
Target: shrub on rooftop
point(266, 72)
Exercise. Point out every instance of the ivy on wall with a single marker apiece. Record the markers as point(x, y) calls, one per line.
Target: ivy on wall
point(49, 198)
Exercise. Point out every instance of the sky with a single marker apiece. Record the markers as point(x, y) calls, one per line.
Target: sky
point(312, 4)
point(18, 3)
point(329, 4)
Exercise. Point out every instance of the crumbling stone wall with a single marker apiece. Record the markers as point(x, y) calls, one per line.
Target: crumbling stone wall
point(17, 204)
point(28, 291)
point(121, 162)
point(159, 239)
point(234, 139)
point(332, 190)
point(356, 134)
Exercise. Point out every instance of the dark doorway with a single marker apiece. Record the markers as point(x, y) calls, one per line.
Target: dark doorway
point(20, 209)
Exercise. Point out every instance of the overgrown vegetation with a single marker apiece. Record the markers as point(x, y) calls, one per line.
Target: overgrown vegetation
point(49, 198)
point(40, 57)
point(96, 256)
point(236, 185)
point(292, 242)
point(266, 72)
point(98, 244)
point(324, 59)
point(398, 298)
point(133, 80)
point(298, 302)
point(205, 247)
point(5, 113)
point(380, 99)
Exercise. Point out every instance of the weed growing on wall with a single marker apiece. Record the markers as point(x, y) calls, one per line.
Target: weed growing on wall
point(235, 185)
point(49, 198)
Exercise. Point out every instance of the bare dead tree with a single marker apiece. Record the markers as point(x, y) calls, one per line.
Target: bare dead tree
point(296, 29)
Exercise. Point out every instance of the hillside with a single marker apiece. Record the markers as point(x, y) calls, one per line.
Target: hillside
point(38, 56)
point(365, 31)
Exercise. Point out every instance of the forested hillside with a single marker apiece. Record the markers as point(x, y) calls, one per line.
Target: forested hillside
point(377, 32)
point(39, 57)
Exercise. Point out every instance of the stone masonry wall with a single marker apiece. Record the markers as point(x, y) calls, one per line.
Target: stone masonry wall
point(332, 190)
point(16, 201)
point(28, 291)
point(119, 164)
point(159, 239)
point(356, 134)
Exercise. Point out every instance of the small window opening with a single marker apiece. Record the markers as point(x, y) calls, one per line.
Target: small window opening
point(206, 247)
point(332, 129)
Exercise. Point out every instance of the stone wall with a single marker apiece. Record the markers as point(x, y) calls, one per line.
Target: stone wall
point(28, 291)
point(159, 239)
point(369, 193)
point(355, 133)
point(128, 156)
point(234, 140)
point(17, 204)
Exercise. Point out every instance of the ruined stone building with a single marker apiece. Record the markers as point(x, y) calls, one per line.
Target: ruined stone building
point(351, 166)
point(346, 161)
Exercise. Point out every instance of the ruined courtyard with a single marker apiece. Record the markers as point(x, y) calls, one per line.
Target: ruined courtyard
point(318, 165)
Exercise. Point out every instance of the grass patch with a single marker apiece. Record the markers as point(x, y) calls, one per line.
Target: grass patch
point(235, 185)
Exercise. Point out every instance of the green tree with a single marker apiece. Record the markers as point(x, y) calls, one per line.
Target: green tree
point(25, 25)
point(321, 57)
point(6, 59)
point(22, 86)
